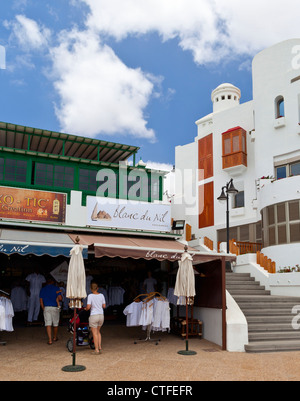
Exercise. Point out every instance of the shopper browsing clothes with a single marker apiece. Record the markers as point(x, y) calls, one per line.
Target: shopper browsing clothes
point(50, 297)
point(36, 281)
point(96, 304)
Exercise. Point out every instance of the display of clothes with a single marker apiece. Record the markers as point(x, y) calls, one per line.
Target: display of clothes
point(6, 314)
point(154, 313)
point(116, 296)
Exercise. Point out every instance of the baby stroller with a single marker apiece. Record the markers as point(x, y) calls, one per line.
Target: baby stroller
point(83, 335)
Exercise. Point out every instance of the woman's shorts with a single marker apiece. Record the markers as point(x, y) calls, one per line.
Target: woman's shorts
point(96, 321)
point(51, 316)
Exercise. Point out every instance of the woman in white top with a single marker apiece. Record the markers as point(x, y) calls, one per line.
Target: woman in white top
point(96, 304)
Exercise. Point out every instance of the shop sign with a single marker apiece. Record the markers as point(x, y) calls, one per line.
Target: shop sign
point(124, 214)
point(33, 205)
point(38, 250)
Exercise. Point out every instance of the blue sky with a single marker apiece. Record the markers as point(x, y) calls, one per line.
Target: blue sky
point(131, 71)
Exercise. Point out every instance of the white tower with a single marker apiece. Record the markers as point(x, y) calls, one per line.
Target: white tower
point(225, 96)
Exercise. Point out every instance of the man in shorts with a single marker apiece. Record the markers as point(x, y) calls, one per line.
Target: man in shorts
point(50, 296)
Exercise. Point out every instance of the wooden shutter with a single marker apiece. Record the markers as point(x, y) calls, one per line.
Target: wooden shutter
point(206, 205)
point(205, 156)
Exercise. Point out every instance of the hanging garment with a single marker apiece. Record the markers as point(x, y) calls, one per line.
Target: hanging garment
point(133, 313)
point(146, 313)
point(154, 313)
point(6, 314)
point(116, 296)
point(2, 318)
point(19, 299)
point(161, 316)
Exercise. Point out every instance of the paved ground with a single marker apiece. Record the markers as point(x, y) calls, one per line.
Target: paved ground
point(27, 357)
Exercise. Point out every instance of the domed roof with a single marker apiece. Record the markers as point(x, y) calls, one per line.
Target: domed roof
point(225, 87)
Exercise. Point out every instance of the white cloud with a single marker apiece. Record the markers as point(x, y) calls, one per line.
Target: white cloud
point(159, 166)
point(98, 92)
point(211, 29)
point(29, 33)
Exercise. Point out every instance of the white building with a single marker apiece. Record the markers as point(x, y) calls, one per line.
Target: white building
point(245, 142)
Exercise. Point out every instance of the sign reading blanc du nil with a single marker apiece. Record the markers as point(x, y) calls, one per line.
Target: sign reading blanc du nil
point(27, 204)
point(125, 214)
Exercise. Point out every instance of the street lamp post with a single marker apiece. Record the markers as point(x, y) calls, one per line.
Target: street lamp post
point(226, 191)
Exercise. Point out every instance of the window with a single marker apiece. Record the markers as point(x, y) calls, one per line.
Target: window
point(14, 170)
point(281, 223)
point(287, 170)
point(281, 172)
point(295, 169)
point(54, 175)
point(239, 200)
point(234, 147)
point(1, 168)
point(244, 233)
point(279, 107)
point(87, 180)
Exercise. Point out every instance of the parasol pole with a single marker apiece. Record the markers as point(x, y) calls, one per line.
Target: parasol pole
point(74, 338)
point(187, 324)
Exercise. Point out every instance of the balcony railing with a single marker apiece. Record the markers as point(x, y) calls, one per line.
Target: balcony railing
point(242, 248)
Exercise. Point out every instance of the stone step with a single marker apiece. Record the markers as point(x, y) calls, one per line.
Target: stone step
point(244, 286)
point(267, 312)
point(239, 279)
point(269, 327)
point(249, 292)
point(275, 336)
point(270, 319)
point(273, 346)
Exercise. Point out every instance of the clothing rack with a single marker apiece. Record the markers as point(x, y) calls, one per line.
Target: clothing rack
point(147, 298)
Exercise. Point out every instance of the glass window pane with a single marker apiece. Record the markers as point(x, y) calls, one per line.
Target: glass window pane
point(294, 211)
point(271, 236)
point(244, 143)
point(271, 215)
point(239, 199)
point(59, 169)
point(244, 233)
point(282, 234)
point(9, 176)
point(295, 232)
point(227, 146)
point(281, 213)
point(295, 169)
point(281, 172)
point(236, 143)
point(258, 232)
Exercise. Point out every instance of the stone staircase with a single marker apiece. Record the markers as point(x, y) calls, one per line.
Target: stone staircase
point(269, 317)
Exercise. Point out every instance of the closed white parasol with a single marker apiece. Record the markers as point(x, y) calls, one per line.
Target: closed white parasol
point(76, 290)
point(185, 286)
point(76, 283)
point(185, 279)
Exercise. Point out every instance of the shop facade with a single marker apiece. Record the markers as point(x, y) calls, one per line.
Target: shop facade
point(58, 189)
